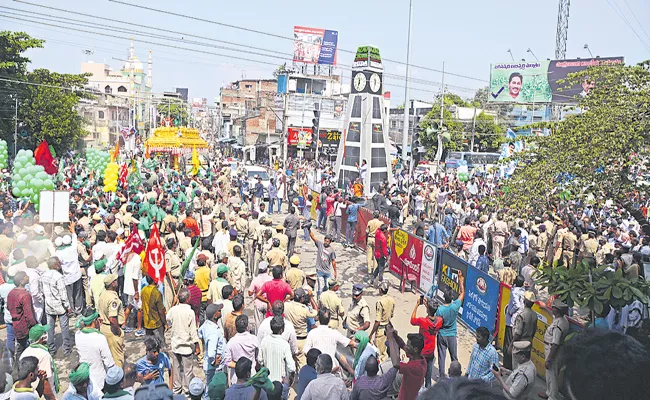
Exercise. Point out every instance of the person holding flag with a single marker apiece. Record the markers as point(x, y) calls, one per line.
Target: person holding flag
point(196, 163)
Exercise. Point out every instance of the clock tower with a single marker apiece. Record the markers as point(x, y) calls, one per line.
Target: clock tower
point(365, 138)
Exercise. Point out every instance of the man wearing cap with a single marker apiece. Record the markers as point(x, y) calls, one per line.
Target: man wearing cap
point(284, 239)
point(358, 318)
point(525, 324)
point(553, 340)
point(38, 336)
point(371, 229)
point(384, 314)
point(57, 305)
point(92, 347)
point(519, 382)
point(216, 286)
point(331, 301)
point(196, 389)
point(111, 312)
point(81, 387)
point(310, 282)
point(295, 276)
point(97, 225)
point(299, 314)
point(68, 256)
point(253, 225)
point(291, 224)
point(184, 341)
point(233, 241)
point(19, 303)
point(214, 342)
point(114, 384)
point(40, 246)
point(262, 277)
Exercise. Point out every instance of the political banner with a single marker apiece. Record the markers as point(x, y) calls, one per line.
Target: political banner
point(450, 266)
point(314, 46)
point(539, 81)
point(428, 270)
point(523, 82)
point(406, 254)
point(481, 300)
point(300, 137)
point(560, 69)
point(363, 217)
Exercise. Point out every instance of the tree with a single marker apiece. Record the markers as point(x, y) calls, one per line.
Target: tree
point(49, 112)
point(13, 67)
point(175, 109)
point(488, 134)
point(597, 152)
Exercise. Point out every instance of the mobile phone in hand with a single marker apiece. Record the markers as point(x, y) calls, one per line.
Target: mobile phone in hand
point(495, 367)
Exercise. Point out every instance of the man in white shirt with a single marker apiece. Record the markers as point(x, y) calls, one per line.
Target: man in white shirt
point(92, 347)
point(132, 277)
point(68, 255)
point(275, 353)
point(325, 338)
point(288, 333)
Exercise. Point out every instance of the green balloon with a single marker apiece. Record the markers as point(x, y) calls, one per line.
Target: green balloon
point(37, 184)
point(28, 179)
point(34, 198)
point(26, 192)
point(23, 172)
point(49, 185)
point(16, 192)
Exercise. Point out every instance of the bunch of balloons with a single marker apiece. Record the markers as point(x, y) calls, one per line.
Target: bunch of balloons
point(97, 160)
point(111, 175)
point(4, 155)
point(463, 171)
point(28, 178)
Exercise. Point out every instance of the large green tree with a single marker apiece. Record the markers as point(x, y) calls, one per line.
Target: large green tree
point(597, 153)
point(175, 109)
point(49, 109)
point(13, 67)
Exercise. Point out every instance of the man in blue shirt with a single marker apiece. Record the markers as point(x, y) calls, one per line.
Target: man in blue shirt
point(152, 366)
point(437, 234)
point(447, 334)
point(352, 211)
point(308, 372)
point(242, 390)
point(484, 355)
point(214, 342)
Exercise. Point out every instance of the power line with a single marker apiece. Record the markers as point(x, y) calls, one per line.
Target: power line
point(277, 36)
point(388, 75)
point(620, 13)
point(636, 19)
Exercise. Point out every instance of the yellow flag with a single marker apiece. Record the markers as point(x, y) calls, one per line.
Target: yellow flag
point(195, 161)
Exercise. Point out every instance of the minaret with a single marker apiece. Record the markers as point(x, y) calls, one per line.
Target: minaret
point(149, 73)
point(150, 116)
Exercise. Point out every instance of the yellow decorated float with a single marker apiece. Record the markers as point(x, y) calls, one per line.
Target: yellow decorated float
point(175, 141)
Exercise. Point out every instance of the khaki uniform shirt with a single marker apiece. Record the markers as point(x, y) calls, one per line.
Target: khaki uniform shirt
point(385, 310)
point(373, 225)
point(542, 243)
point(276, 257)
point(521, 381)
point(331, 301)
point(242, 227)
point(231, 245)
point(569, 241)
point(590, 248)
point(173, 262)
point(295, 278)
point(110, 306)
point(253, 225)
point(358, 314)
point(525, 324)
point(298, 314)
point(168, 218)
point(284, 241)
point(555, 334)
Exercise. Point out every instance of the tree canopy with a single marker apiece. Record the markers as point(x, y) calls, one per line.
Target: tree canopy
point(598, 152)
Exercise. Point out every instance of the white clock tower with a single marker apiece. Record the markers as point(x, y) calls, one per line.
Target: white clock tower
point(365, 138)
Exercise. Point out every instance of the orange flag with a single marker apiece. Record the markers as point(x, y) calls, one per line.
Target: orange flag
point(116, 151)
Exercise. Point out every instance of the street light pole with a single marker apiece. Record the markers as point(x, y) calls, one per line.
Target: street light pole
point(407, 106)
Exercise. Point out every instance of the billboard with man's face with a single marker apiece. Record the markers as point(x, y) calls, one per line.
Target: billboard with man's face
point(539, 81)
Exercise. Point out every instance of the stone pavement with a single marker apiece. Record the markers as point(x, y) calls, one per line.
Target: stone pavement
point(351, 267)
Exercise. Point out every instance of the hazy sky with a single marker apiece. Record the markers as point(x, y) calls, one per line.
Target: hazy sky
point(468, 35)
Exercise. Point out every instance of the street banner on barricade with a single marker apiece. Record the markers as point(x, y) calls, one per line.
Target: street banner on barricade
point(428, 269)
point(363, 216)
point(481, 300)
point(450, 265)
point(406, 254)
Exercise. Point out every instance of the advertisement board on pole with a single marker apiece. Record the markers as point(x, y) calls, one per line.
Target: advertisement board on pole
point(560, 69)
point(539, 81)
point(314, 46)
point(406, 255)
point(300, 137)
point(428, 270)
point(481, 300)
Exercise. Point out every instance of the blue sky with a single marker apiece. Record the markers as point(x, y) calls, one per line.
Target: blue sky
point(468, 35)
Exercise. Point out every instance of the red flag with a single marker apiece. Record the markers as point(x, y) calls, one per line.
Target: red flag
point(154, 259)
point(133, 244)
point(43, 157)
point(124, 173)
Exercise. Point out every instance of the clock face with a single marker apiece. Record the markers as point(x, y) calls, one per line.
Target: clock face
point(360, 82)
point(375, 83)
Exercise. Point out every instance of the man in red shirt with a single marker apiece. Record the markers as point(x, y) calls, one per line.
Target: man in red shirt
point(413, 372)
point(277, 289)
point(429, 327)
point(466, 234)
point(381, 253)
point(191, 224)
point(19, 304)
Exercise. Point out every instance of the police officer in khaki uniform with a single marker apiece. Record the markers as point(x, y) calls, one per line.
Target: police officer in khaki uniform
point(295, 277)
point(553, 340)
point(310, 282)
point(520, 381)
point(589, 248)
point(358, 318)
point(299, 314)
point(111, 311)
point(371, 229)
point(569, 242)
point(276, 256)
point(383, 315)
point(332, 302)
point(525, 324)
point(284, 239)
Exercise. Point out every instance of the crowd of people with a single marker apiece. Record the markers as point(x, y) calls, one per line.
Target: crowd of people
point(223, 251)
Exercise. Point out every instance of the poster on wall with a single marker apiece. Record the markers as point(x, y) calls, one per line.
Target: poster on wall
point(560, 69)
point(428, 270)
point(300, 137)
point(481, 299)
point(314, 45)
point(406, 255)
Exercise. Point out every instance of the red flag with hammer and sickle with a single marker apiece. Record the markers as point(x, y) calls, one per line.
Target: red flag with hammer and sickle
point(154, 258)
point(124, 173)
